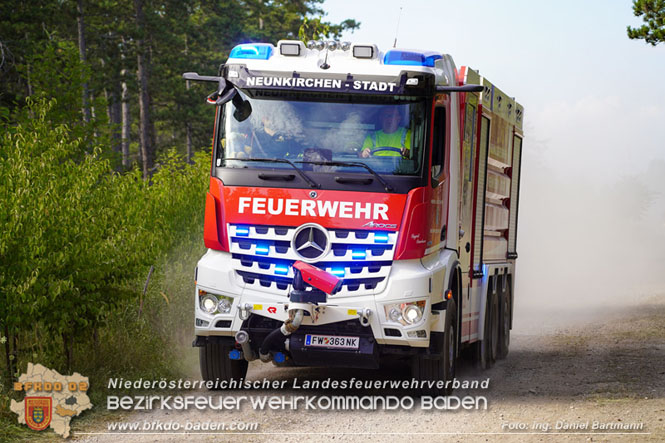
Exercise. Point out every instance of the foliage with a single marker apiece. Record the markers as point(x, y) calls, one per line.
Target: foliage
point(78, 235)
point(75, 232)
point(653, 15)
point(317, 29)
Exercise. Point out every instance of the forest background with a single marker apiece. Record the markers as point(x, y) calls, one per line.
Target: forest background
point(104, 156)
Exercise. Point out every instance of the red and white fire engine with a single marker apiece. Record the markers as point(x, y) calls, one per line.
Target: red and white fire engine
point(362, 209)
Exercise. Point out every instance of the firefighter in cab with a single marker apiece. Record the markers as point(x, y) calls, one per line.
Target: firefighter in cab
point(392, 139)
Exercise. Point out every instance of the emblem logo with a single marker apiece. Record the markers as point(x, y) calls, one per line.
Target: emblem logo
point(38, 412)
point(379, 225)
point(311, 242)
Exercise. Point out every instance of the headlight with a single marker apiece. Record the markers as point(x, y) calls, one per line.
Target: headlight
point(412, 314)
point(224, 306)
point(209, 303)
point(405, 313)
point(214, 303)
point(394, 314)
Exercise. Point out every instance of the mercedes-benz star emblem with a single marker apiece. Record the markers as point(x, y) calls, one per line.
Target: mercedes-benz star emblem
point(311, 242)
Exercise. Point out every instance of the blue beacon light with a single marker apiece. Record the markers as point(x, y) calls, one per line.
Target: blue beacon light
point(380, 237)
point(411, 58)
point(242, 231)
point(253, 51)
point(281, 270)
point(357, 254)
point(262, 249)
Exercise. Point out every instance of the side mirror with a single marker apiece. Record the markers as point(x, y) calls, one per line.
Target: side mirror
point(225, 92)
point(243, 108)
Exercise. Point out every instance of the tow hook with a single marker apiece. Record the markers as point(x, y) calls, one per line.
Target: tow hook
point(243, 311)
point(364, 315)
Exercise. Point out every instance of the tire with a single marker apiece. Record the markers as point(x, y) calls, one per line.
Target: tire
point(504, 322)
point(444, 367)
point(488, 348)
point(450, 344)
point(216, 364)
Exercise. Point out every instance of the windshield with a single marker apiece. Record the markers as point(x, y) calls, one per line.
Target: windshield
point(321, 136)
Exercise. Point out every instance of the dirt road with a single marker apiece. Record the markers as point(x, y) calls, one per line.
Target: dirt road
point(554, 386)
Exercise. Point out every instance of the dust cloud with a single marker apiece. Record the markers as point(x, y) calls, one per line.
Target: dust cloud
point(589, 249)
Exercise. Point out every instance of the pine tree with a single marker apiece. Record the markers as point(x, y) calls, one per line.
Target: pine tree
point(653, 14)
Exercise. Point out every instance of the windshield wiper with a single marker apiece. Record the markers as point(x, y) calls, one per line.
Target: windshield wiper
point(304, 176)
point(385, 184)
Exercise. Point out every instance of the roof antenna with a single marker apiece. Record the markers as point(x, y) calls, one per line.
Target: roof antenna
point(397, 30)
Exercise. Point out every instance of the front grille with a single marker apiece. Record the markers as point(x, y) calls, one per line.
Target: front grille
point(263, 255)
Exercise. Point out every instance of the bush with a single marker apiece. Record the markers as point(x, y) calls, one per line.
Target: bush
point(76, 235)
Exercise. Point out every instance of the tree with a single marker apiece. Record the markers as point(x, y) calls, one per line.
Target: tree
point(133, 53)
point(74, 231)
point(80, 19)
point(280, 19)
point(653, 12)
point(143, 62)
point(316, 29)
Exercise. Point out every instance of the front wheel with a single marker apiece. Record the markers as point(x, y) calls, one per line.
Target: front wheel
point(450, 344)
point(439, 367)
point(216, 364)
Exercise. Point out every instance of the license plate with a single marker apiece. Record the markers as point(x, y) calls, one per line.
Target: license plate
point(332, 341)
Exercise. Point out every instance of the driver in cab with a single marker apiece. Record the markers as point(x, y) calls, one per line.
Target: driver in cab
point(391, 140)
point(271, 138)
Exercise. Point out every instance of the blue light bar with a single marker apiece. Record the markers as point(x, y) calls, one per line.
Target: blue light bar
point(242, 231)
point(338, 272)
point(262, 249)
point(411, 58)
point(281, 270)
point(380, 237)
point(255, 51)
point(358, 254)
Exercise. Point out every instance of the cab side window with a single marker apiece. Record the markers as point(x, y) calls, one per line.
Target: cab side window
point(219, 136)
point(438, 143)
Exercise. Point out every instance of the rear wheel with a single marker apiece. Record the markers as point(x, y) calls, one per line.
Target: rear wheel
point(488, 348)
point(504, 321)
point(216, 364)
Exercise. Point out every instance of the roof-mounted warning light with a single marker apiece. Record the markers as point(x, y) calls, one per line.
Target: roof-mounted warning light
point(319, 45)
point(330, 45)
point(291, 48)
point(410, 58)
point(364, 51)
point(254, 51)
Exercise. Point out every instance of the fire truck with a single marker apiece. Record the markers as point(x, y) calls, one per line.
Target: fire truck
point(362, 212)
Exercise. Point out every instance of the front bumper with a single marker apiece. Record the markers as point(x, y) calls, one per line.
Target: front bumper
point(409, 281)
